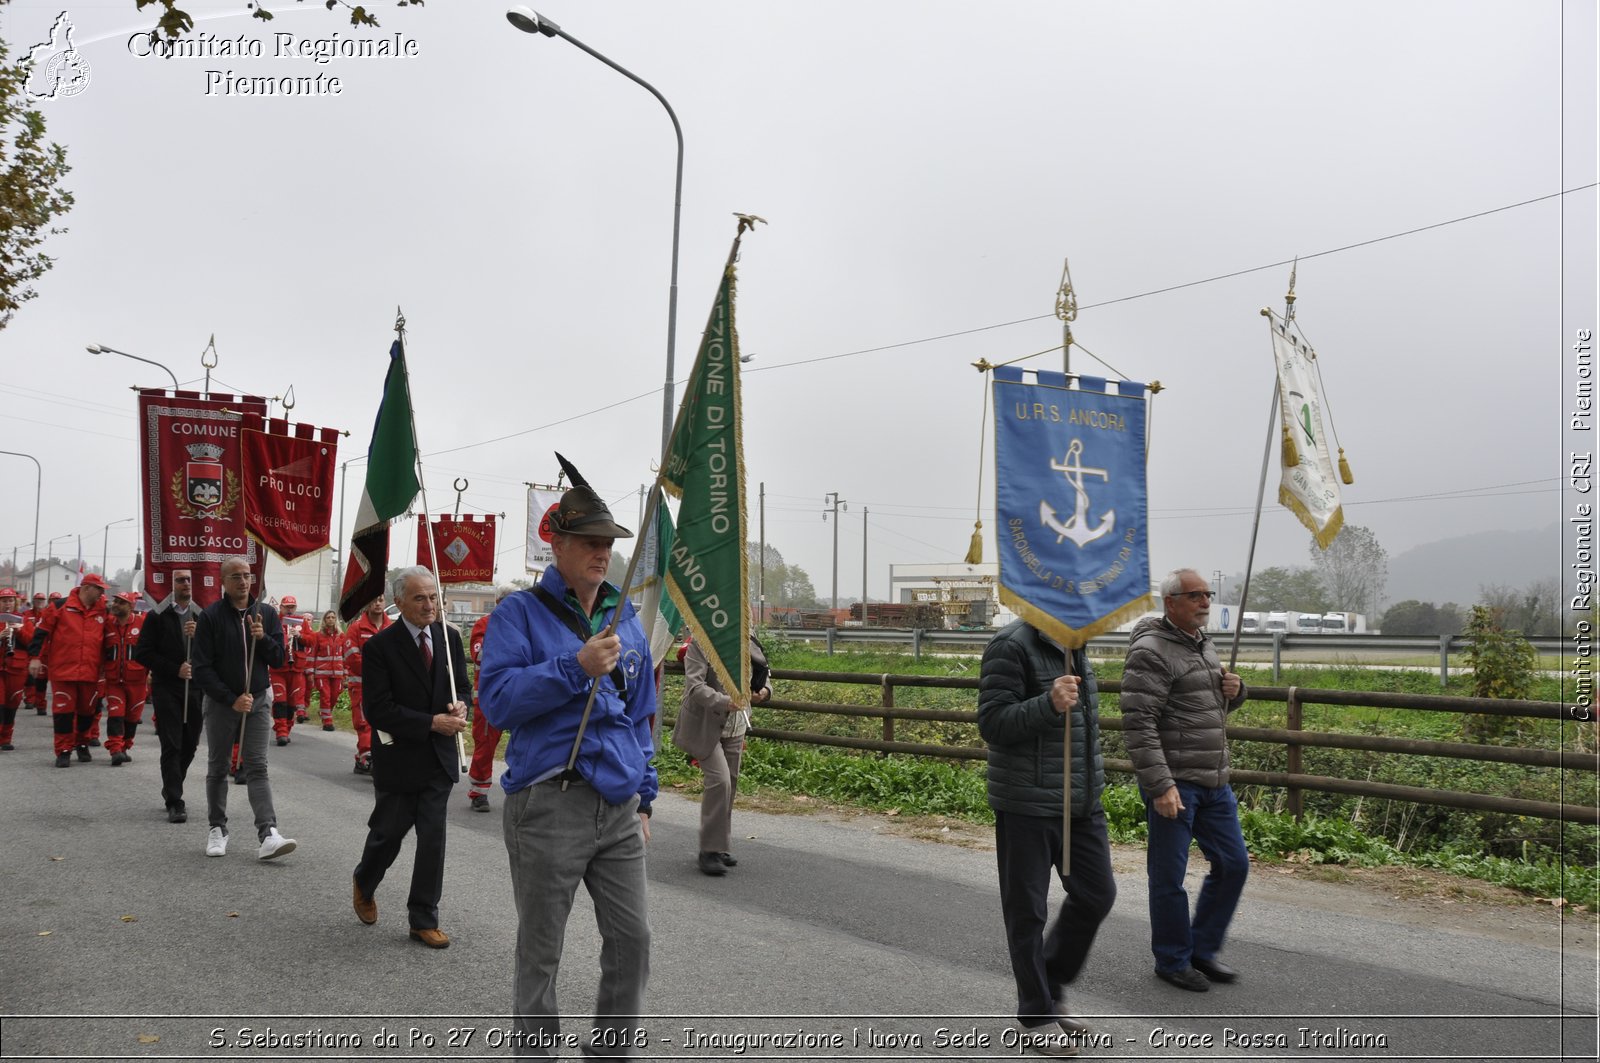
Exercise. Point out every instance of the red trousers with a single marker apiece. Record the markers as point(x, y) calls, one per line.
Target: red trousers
point(359, 718)
point(288, 698)
point(485, 739)
point(12, 693)
point(74, 710)
point(124, 713)
point(329, 687)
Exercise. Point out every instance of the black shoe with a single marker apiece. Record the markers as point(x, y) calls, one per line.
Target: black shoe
point(127, 758)
point(1188, 978)
point(710, 864)
point(117, 759)
point(327, 727)
point(176, 814)
point(42, 711)
point(283, 741)
point(480, 802)
point(64, 760)
point(94, 742)
point(7, 748)
point(84, 755)
point(301, 717)
point(728, 860)
point(238, 778)
point(1214, 970)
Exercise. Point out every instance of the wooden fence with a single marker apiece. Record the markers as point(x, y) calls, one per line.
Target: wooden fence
point(1293, 737)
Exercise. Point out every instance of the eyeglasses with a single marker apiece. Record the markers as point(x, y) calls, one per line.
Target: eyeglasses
point(1195, 596)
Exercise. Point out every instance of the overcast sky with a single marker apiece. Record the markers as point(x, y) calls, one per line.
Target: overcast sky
point(925, 168)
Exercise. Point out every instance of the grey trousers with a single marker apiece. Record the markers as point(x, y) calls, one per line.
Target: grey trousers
point(721, 771)
point(554, 840)
point(222, 731)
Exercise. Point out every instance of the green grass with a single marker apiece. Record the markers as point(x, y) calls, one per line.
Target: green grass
point(1519, 852)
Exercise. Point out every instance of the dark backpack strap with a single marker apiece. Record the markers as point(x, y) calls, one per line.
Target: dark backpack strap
point(577, 627)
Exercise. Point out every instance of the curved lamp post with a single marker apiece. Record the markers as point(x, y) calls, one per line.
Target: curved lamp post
point(100, 348)
point(38, 491)
point(530, 21)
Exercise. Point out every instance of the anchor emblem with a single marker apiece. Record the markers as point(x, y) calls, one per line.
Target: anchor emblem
point(1076, 526)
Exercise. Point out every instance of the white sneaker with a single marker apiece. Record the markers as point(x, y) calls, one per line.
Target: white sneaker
point(275, 844)
point(216, 842)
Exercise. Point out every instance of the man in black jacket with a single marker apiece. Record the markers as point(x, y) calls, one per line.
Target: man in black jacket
point(235, 642)
point(1031, 690)
point(415, 713)
point(165, 647)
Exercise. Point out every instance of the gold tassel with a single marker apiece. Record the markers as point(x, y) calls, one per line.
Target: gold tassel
point(1291, 453)
point(975, 548)
point(1344, 469)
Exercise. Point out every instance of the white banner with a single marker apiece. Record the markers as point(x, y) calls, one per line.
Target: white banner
point(539, 556)
point(1310, 488)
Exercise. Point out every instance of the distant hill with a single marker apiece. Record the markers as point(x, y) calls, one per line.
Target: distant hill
point(1452, 570)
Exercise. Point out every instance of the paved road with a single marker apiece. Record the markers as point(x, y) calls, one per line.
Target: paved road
point(832, 939)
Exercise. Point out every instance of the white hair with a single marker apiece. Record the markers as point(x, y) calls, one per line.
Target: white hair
point(397, 582)
point(1172, 582)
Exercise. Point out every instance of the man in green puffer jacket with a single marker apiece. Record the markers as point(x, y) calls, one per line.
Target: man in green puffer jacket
point(1030, 690)
point(1176, 697)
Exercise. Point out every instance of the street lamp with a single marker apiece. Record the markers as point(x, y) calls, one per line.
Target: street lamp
point(106, 543)
point(50, 555)
point(38, 490)
point(100, 348)
point(530, 21)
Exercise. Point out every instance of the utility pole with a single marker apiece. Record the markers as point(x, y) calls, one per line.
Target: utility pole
point(863, 566)
point(761, 578)
point(832, 499)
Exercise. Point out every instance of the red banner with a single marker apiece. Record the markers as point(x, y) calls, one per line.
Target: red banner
point(288, 491)
point(193, 488)
point(465, 546)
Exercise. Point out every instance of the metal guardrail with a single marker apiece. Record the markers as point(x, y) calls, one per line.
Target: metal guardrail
point(1293, 736)
point(1275, 643)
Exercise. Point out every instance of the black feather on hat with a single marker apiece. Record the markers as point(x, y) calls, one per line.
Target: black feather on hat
point(581, 511)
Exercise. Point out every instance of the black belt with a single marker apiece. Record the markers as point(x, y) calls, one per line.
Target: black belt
point(570, 775)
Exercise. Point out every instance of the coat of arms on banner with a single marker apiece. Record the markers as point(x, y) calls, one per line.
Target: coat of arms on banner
point(1070, 497)
point(205, 489)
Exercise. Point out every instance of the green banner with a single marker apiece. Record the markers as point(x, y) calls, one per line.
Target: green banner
point(705, 569)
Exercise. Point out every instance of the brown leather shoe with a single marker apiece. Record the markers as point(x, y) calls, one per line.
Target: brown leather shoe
point(366, 908)
point(434, 939)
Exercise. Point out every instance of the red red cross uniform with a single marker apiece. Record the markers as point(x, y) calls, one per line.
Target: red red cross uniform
point(289, 682)
point(72, 640)
point(14, 639)
point(125, 684)
point(485, 736)
point(327, 671)
point(360, 631)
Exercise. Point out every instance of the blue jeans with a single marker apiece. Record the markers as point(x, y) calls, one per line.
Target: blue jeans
point(1211, 818)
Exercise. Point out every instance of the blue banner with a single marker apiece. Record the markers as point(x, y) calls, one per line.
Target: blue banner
point(1071, 502)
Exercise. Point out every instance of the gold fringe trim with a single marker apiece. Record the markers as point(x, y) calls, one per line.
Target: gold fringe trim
point(1324, 535)
point(1075, 638)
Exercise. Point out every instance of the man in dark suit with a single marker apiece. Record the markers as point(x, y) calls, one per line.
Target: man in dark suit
point(415, 714)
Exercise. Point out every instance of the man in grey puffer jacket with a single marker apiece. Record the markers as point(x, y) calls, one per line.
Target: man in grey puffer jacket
point(1032, 694)
point(1176, 697)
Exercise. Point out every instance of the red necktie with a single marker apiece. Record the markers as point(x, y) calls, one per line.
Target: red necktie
point(427, 651)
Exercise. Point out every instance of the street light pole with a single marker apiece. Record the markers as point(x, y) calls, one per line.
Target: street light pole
point(105, 544)
point(38, 490)
point(530, 21)
point(50, 555)
point(832, 498)
point(100, 348)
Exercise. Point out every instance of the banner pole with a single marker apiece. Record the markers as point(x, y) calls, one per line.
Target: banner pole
point(649, 517)
point(433, 547)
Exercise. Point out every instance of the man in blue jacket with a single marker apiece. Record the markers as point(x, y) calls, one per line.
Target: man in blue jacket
point(585, 818)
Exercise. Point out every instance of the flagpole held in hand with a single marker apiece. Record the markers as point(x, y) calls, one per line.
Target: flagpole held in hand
point(249, 671)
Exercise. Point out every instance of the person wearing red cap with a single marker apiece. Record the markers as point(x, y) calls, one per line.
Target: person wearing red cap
point(328, 671)
point(289, 681)
point(305, 658)
point(70, 643)
point(16, 631)
point(36, 694)
point(368, 624)
point(125, 682)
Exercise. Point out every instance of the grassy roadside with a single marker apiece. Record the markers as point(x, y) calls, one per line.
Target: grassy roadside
point(1540, 859)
